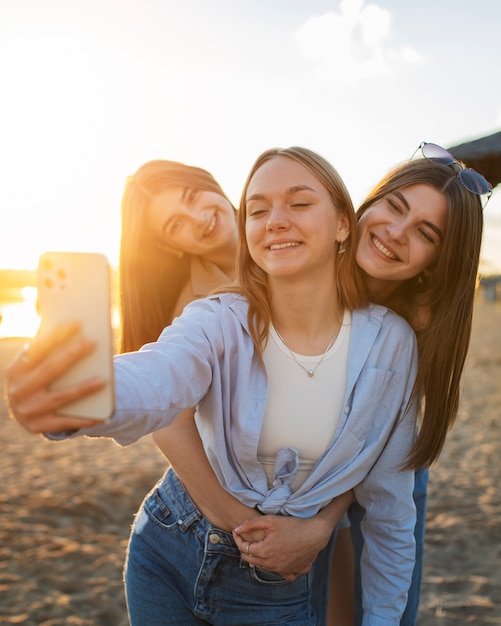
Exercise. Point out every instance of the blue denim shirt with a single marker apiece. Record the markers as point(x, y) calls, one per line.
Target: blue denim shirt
point(206, 358)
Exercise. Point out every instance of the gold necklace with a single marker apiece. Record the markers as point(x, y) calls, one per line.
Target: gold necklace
point(310, 372)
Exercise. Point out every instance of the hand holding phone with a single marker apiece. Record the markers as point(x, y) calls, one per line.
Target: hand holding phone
point(76, 286)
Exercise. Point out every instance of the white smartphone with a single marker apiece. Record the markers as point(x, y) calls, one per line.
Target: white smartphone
point(77, 286)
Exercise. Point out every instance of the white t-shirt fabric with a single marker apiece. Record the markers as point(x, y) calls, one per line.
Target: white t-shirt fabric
point(299, 409)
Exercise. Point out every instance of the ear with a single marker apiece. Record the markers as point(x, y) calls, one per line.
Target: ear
point(343, 228)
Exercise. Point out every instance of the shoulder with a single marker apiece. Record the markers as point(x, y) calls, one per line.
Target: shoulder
point(382, 339)
point(217, 321)
point(380, 321)
point(206, 276)
point(382, 315)
point(221, 306)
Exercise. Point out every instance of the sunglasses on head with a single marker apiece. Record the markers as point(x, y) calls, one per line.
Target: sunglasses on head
point(470, 179)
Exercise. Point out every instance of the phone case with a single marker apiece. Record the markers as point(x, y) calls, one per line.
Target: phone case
point(77, 286)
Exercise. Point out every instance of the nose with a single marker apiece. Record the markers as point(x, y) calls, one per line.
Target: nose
point(198, 219)
point(277, 219)
point(196, 216)
point(397, 230)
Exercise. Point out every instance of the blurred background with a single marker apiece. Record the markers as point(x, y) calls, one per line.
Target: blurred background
point(91, 89)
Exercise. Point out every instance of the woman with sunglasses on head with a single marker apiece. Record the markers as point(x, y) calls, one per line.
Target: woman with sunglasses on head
point(289, 372)
point(397, 222)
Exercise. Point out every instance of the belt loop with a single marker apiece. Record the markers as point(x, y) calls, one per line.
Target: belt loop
point(185, 523)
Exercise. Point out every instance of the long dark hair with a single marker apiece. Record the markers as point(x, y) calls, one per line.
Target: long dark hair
point(446, 291)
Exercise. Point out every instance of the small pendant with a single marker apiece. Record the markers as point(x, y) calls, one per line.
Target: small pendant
point(310, 373)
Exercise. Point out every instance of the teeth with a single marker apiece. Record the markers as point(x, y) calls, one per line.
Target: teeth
point(383, 249)
point(211, 227)
point(279, 246)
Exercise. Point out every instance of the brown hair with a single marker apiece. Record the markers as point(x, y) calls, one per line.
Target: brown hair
point(447, 291)
point(252, 279)
point(151, 278)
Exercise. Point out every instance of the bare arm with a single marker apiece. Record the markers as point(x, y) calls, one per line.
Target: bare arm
point(182, 446)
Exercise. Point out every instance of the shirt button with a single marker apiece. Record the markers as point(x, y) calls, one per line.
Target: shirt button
point(213, 538)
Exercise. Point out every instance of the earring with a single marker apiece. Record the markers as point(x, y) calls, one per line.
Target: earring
point(424, 279)
point(341, 249)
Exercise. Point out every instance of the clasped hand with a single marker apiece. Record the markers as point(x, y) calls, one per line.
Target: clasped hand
point(285, 545)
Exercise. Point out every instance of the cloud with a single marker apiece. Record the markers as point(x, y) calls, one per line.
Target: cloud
point(353, 45)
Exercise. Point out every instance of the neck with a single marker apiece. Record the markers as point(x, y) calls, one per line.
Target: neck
point(381, 291)
point(306, 316)
point(225, 258)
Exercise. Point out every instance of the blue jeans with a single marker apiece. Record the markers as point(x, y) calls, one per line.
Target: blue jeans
point(181, 571)
point(322, 565)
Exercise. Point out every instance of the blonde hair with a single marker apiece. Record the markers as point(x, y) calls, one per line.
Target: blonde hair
point(151, 278)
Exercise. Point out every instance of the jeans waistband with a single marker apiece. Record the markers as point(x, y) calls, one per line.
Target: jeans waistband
point(172, 491)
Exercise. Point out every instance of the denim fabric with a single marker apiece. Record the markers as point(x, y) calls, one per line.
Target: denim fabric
point(181, 571)
point(410, 615)
point(356, 514)
point(320, 582)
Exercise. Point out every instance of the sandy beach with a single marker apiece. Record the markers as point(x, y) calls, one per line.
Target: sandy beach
point(66, 510)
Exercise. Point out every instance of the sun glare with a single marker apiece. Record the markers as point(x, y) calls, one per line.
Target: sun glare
point(20, 318)
point(53, 199)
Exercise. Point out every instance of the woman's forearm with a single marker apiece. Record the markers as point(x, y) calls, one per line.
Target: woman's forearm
point(182, 446)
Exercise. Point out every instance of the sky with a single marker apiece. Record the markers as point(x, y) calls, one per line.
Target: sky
point(91, 89)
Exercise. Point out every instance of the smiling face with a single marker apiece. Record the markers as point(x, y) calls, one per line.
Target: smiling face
point(291, 224)
point(192, 220)
point(401, 234)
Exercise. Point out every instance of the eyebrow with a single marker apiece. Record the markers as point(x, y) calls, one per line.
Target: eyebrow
point(289, 192)
point(431, 225)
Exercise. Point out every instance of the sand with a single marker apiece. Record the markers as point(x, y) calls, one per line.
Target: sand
point(66, 510)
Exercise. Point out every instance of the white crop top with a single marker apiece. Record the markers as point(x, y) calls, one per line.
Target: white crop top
point(302, 412)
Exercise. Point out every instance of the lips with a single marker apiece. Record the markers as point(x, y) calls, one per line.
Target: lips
point(378, 244)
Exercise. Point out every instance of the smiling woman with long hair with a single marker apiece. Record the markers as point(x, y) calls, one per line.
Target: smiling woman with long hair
point(178, 242)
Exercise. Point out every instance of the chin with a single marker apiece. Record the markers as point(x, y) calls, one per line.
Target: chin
point(366, 264)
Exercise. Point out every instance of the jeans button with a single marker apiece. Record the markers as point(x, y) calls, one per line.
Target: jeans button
point(213, 538)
